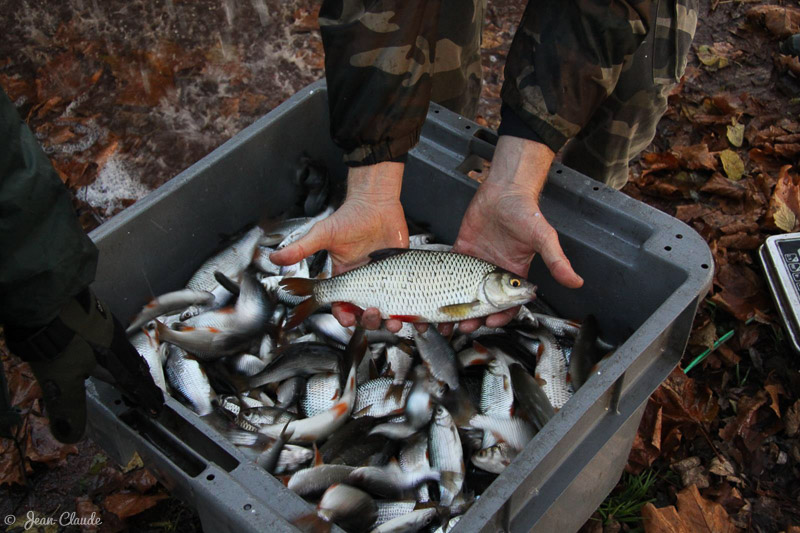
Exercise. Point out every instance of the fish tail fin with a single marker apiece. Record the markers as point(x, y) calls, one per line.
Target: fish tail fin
point(298, 286)
point(395, 392)
point(302, 311)
point(312, 523)
point(161, 329)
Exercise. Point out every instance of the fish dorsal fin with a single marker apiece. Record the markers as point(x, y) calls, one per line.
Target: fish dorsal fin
point(459, 310)
point(379, 255)
point(317, 456)
point(373, 370)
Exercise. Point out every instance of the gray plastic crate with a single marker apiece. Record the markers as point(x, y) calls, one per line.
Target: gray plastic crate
point(645, 273)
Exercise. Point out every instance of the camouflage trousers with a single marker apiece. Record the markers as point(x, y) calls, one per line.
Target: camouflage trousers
point(622, 126)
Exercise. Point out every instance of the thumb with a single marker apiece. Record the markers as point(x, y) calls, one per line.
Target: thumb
point(312, 242)
point(557, 261)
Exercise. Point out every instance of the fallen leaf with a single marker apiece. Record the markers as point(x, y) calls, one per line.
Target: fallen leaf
point(125, 504)
point(783, 216)
point(741, 241)
point(742, 291)
point(774, 390)
point(717, 56)
point(42, 447)
point(693, 514)
point(752, 422)
point(306, 20)
point(787, 150)
point(733, 164)
point(779, 20)
point(784, 205)
point(647, 443)
point(134, 463)
point(141, 480)
point(791, 419)
point(735, 134)
point(664, 520)
point(721, 186)
point(695, 157)
point(88, 513)
point(704, 336)
point(720, 466)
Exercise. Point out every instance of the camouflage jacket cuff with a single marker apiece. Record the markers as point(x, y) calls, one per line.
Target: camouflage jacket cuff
point(511, 124)
point(389, 150)
point(539, 129)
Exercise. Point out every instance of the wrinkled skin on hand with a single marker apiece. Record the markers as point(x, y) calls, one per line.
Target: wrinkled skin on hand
point(503, 223)
point(371, 218)
point(505, 227)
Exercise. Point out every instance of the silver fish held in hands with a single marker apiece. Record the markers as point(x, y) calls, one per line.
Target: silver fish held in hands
point(416, 286)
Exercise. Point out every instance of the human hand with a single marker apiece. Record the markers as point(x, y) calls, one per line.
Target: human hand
point(85, 339)
point(503, 223)
point(371, 218)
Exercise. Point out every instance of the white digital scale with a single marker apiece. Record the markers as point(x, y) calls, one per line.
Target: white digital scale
point(780, 257)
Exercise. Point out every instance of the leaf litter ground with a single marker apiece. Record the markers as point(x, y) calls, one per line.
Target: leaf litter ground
point(125, 95)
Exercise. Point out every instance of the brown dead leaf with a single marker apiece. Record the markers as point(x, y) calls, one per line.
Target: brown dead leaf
point(704, 336)
point(71, 171)
point(741, 241)
point(126, 503)
point(753, 421)
point(780, 21)
point(66, 76)
point(791, 419)
point(16, 87)
point(647, 443)
point(688, 212)
point(22, 385)
point(88, 513)
point(774, 390)
point(695, 157)
point(742, 291)
point(661, 161)
point(721, 186)
point(788, 63)
point(10, 472)
point(492, 37)
point(693, 514)
point(140, 480)
point(306, 20)
point(786, 196)
point(42, 447)
point(664, 520)
point(787, 150)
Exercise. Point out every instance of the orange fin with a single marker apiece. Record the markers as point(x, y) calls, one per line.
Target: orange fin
point(395, 391)
point(298, 286)
point(406, 318)
point(312, 523)
point(459, 310)
point(300, 312)
point(347, 307)
point(317, 456)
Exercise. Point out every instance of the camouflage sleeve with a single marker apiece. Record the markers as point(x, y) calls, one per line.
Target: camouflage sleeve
point(378, 69)
point(565, 60)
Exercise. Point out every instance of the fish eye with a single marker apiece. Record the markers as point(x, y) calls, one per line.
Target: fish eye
point(515, 282)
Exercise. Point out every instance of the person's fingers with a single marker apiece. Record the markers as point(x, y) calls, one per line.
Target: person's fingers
point(345, 318)
point(468, 326)
point(371, 318)
point(422, 327)
point(498, 320)
point(555, 259)
point(446, 328)
point(316, 239)
point(393, 325)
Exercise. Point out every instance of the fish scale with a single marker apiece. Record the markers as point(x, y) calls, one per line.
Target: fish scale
point(411, 283)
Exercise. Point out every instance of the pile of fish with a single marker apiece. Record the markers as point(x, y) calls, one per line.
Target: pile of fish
point(381, 431)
